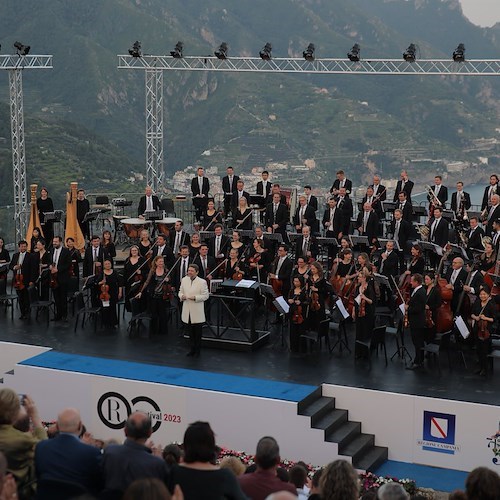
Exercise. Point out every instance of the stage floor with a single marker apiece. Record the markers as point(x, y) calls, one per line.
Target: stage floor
point(272, 361)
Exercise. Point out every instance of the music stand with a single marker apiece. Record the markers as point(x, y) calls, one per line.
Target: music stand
point(460, 250)
point(389, 206)
point(359, 240)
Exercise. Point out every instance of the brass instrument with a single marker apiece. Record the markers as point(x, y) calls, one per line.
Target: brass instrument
point(484, 215)
point(424, 232)
point(463, 237)
point(485, 240)
point(434, 199)
point(462, 212)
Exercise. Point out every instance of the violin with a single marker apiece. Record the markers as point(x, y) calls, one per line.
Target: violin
point(255, 259)
point(237, 275)
point(18, 281)
point(53, 283)
point(297, 317)
point(429, 322)
point(315, 305)
point(104, 295)
point(167, 291)
point(362, 304)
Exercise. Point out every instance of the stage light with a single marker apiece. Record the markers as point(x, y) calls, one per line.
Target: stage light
point(177, 52)
point(221, 52)
point(459, 53)
point(353, 54)
point(308, 54)
point(22, 50)
point(135, 51)
point(265, 53)
point(410, 54)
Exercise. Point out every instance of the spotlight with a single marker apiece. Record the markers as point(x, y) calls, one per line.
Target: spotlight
point(308, 54)
point(410, 54)
point(22, 50)
point(459, 53)
point(353, 54)
point(221, 52)
point(135, 51)
point(265, 53)
point(177, 52)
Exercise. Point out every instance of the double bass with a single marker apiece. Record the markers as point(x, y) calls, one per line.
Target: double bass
point(444, 320)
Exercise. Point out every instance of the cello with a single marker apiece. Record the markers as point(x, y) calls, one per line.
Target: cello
point(444, 320)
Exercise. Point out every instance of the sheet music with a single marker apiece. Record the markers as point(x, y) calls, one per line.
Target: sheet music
point(245, 283)
point(402, 309)
point(462, 327)
point(342, 309)
point(283, 303)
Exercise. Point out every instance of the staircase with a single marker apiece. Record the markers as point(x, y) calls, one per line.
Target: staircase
point(339, 429)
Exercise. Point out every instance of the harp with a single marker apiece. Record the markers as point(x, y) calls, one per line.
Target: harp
point(34, 217)
point(72, 227)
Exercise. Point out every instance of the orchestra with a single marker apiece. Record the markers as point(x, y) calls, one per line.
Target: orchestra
point(312, 253)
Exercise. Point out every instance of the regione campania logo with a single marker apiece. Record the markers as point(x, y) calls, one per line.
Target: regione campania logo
point(439, 433)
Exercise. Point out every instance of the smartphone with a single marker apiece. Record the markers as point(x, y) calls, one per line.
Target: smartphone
point(22, 397)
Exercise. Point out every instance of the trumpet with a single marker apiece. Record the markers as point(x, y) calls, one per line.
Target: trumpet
point(434, 200)
point(424, 231)
point(484, 215)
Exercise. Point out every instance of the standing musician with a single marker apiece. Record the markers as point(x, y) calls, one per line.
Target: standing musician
point(200, 186)
point(312, 201)
point(297, 298)
point(388, 266)
point(301, 269)
point(259, 262)
point(367, 224)
point(4, 253)
point(495, 240)
point(238, 194)
point(492, 214)
point(483, 316)
point(379, 191)
point(163, 249)
point(282, 269)
point(205, 262)
point(306, 245)
point(266, 242)
point(194, 245)
point(332, 221)
point(93, 258)
point(229, 187)
point(440, 192)
point(149, 202)
point(109, 298)
point(364, 306)
point(456, 276)
point(234, 267)
point(24, 276)
point(242, 218)
point(193, 293)
point(474, 280)
point(488, 259)
point(438, 233)
point(370, 198)
point(341, 182)
point(343, 272)
point(344, 204)
point(317, 294)
point(108, 246)
point(41, 263)
point(236, 243)
point(180, 267)
point(82, 208)
point(158, 291)
point(178, 236)
point(474, 236)
point(432, 304)
point(305, 215)
point(403, 185)
point(416, 265)
point(134, 272)
point(401, 231)
point(416, 319)
point(460, 202)
point(210, 217)
point(489, 191)
point(144, 243)
point(276, 190)
point(264, 186)
point(218, 244)
point(61, 263)
point(44, 205)
point(277, 216)
point(36, 234)
point(405, 206)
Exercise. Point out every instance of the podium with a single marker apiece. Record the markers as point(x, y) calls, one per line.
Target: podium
point(232, 318)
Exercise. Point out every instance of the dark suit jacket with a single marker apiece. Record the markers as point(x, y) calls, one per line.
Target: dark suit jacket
point(63, 264)
point(167, 253)
point(347, 210)
point(407, 211)
point(391, 264)
point(260, 189)
point(142, 204)
point(376, 205)
point(405, 232)
point(281, 217)
point(466, 197)
point(269, 199)
point(381, 192)
point(176, 273)
point(299, 246)
point(416, 309)
point(28, 267)
point(313, 202)
point(347, 185)
point(195, 187)
point(484, 203)
point(457, 287)
point(442, 196)
point(309, 215)
point(184, 238)
point(337, 221)
point(226, 186)
point(476, 281)
point(371, 226)
point(224, 246)
point(494, 216)
point(234, 199)
point(211, 264)
point(407, 189)
point(66, 458)
point(284, 275)
point(88, 260)
point(475, 238)
point(440, 236)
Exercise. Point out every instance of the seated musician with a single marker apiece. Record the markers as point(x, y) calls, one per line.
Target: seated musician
point(242, 215)
point(474, 236)
point(210, 217)
point(258, 262)
point(297, 298)
point(305, 215)
point(301, 268)
point(234, 268)
point(218, 244)
point(306, 246)
point(206, 263)
point(432, 304)
point(266, 242)
point(456, 277)
point(148, 203)
point(475, 279)
point(282, 269)
point(157, 292)
point(194, 245)
point(484, 312)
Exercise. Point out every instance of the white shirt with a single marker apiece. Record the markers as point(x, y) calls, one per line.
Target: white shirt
point(149, 203)
point(415, 290)
point(396, 229)
point(177, 241)
point(200, 183)
point(57, 252)
point(280, 262)
point(454, 275)
point(217, 245)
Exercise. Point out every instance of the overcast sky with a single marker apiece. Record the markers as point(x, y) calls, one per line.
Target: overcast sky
point(482, 12)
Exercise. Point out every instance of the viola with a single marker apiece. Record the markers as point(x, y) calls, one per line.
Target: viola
point(104, 295)
point(167, 291)
point(362, 304)
point(297, 317)
point(315, 305)
point(53, 283)
point(237, 275)
point(18, 281)
point(482, 329)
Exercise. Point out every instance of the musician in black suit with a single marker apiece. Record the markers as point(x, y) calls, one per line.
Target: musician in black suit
point(312, 201)
point(416, 319)
point(379, 190)
point(375, 202)
point(402, 232)
point(218, 245)
point(180, 267)
point(495, 236)
point(276, 216)
point(440, 192)
point(493, 214)
point(282, 269)
point(489, 191)
point(368, 223)
point(475, 236)
point(276, 189)
point(204, 261)
point(404, 185)
point(475, 279)
point(344, 204)
point(264, 186)
point(178, 237)
point(267, 244)
point(305, 215)
point(148, 203)
point(237, 194)
point(200, 186)
point(82, 208)
point(332, 219)
point(162, 248)
point(388, 266)
point(460, 200)
point(229, 187)
point(93, 258)
point(456, 276)
point(405, 206)
point(61, 263)
point(306, 245)
point(341, 182)
point(23, 263)
point(439, 229)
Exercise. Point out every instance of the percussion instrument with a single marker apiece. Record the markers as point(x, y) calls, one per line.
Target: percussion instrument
point(134, 226)
point(166, 225)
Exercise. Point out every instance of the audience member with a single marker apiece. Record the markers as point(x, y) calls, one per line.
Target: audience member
point(298, 477)
point(234, 464)
point(282, 495)
point(150, 488)
point(339, 481)
point(8, 487)
point(315, 493)
point(482, 484)
point(66, 458)
point(260, 484)
point(197, 475)
point(172, 454)
point(18, 446)
point(392, 491)
point(123, 464)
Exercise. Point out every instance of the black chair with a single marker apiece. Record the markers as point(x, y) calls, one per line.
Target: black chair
point(314, 338)
point(86, 312)
point(440, 343)
point(53, 489)
point(7, 299)
point(40, 305)
point(102, 200)
point(374, 343)
point(167, 204)
point(140, 320)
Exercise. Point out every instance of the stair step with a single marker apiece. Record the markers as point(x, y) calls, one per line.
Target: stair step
point(345, 433)
point(372, 459)
point(310, 398)
point(319, 406)
point(358, 446)
point(331, 421)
